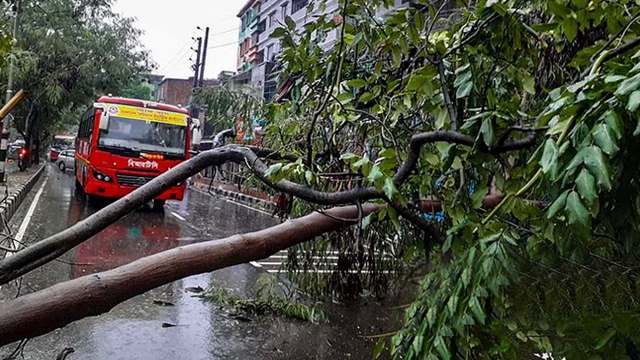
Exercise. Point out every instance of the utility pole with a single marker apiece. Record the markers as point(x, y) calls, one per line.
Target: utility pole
point(204, 56)
point(196, 69)
point(196, 66)
point(6, 126)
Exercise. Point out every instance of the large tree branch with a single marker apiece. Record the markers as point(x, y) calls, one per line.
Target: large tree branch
point(46, 310)
point(56, 245)
point(419, 140)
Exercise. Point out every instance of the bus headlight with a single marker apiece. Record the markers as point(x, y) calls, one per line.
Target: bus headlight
point(101, 176)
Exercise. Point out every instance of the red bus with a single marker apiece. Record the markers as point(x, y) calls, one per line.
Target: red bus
point(124, 143)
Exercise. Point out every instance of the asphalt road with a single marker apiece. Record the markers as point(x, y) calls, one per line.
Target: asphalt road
point(134, 329)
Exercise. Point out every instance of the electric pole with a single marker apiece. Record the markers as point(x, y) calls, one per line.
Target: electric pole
point(204, 56)
point(196, 66)
point(6, 126)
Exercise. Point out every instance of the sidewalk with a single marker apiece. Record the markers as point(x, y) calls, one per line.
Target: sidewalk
point(17, 187)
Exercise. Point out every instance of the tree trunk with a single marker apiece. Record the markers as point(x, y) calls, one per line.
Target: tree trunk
point(38, 313)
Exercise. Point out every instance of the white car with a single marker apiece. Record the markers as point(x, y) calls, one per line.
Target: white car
point(66, 160)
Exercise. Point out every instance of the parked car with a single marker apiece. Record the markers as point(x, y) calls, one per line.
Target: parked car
point(66, 160)
point(54, 152)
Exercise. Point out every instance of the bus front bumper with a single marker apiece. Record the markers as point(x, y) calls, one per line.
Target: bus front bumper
point(113, 189)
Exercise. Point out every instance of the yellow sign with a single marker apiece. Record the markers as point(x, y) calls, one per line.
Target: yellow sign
point(145, 114)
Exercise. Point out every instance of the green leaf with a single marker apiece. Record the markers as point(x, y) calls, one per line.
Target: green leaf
point(291, 24)
point(464, 90)
point(273, 170)
point(462, 78)
point(486, 130)
point(614, 124)
point(628, 85)
point(605, 140)
point(279, 32)
point(476, 308)
point(577, 213)
point(604, 340)
point(557, 205)
point(577, 160)
point(586, 185)
point(357, 83)
point(570, 28)
point(549, 156)
point(389, 188)
point(375, 174)
point(349, 157)
point(308, 175)
point(378, 350)
point(529, 84)
point(595, 161)
point(634, 101)
point(478, 197)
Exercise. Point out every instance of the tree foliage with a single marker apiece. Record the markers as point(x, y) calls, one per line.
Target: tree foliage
point(225, 104)
point(552, 268)
point(67, 53)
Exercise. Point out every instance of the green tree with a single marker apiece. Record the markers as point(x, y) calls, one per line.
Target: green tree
point(519, 120)
point(140, 90)
point(68, 52)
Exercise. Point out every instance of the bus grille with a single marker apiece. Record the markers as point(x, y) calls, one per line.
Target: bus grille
point(133, 180)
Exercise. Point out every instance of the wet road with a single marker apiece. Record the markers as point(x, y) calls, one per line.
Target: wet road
point(133, 330)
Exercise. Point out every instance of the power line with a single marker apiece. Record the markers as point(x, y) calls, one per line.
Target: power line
point(223, 45)
point(226, 31)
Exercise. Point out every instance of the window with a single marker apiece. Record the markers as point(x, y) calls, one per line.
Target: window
point(297, 5)
point(270, 54)
point(283, 10)
point(272, 19)
point(86, 124)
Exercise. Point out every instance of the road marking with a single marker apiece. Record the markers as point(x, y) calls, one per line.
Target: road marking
point(185, 221)
point(178, 216)
point(255, 264)
point(25, 222)
point(32, 208)
point(222, 197)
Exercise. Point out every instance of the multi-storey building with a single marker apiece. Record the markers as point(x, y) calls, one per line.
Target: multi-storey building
point(259, 66)
point(248, 40)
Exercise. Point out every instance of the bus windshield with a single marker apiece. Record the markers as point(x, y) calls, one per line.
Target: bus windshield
point(141, 136)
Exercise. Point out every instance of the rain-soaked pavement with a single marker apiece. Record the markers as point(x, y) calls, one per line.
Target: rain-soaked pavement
point(133, 330)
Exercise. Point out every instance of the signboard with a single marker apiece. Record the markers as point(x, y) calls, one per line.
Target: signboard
point(146, 114)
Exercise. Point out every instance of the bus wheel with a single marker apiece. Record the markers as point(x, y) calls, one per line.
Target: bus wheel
point(158, 205)
point(93, 201)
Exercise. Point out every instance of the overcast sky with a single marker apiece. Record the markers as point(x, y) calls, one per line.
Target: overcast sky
point(170, 24)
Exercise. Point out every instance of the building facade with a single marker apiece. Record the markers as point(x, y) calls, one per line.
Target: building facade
point(178, 91)
point(248, 55)
point(257, 58)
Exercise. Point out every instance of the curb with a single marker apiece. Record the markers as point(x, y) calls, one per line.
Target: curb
point(9, 207)
point(241, 198)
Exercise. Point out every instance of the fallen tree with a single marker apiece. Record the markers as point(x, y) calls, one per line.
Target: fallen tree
point(46, 310)
point(56, 245)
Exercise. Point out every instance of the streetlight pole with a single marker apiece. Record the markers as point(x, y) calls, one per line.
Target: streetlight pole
point(6, 126)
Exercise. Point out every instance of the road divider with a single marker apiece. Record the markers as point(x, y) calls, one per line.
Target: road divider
point(9, 207)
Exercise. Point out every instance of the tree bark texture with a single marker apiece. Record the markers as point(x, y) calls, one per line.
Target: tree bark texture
point(40, 312)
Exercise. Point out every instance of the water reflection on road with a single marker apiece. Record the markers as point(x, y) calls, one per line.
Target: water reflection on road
point(134, 329)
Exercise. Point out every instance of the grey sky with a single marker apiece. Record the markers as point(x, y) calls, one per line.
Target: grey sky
point(170, 24)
